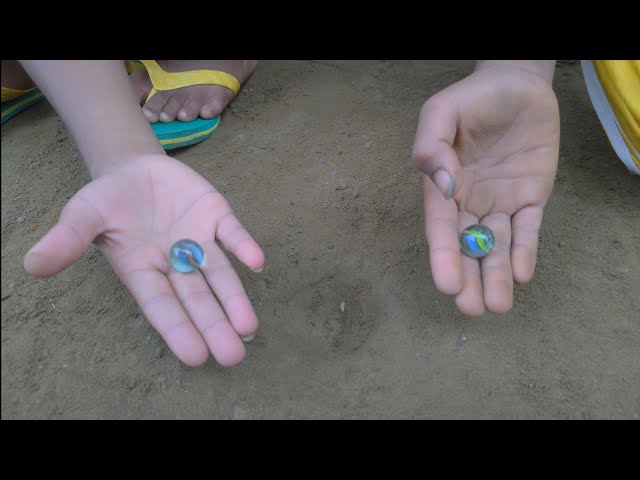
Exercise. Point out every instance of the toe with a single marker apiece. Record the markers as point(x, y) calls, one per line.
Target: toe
point(154, 106)
point(216, 102)
point(173, 106)
point(190, 109)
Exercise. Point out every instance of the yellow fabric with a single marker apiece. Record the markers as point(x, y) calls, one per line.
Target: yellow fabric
point(620, 80)
point(132, 66)
point(9, 94)
point(163, 80)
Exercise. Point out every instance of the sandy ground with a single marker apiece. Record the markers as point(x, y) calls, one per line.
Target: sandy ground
point(313, 156)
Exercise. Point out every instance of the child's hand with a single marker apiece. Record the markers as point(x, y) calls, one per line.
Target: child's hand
point(496, 134)
point(134, 214)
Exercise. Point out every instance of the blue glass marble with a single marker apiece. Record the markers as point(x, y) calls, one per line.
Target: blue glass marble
point(186, 255)
point(477, 240)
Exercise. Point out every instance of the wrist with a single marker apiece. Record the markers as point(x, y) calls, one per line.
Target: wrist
point(108, 163)
point(99, 108)
point(543, 69)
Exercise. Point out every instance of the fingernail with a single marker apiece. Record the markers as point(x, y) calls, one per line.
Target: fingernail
point(444, 182)
point(248, 338)
point(165, 118)
point(259, 269)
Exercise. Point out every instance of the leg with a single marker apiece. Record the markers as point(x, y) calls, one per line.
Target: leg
point(14, 76)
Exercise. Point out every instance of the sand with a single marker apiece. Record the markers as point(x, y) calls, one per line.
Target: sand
point(314, 158)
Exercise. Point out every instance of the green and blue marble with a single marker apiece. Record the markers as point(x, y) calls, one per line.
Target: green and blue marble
point(477, 240)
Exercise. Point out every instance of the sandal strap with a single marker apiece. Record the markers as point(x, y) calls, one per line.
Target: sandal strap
point(163, 80)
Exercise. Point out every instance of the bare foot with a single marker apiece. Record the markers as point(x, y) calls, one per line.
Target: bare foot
point(186, 104)
point(14, 76)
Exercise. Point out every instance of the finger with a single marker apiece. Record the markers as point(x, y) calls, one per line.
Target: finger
point(225, 283)
point(79, 224)
point(441, 230)
point(525, 227)
point(470, 300)
point(159, 303)
point(433, 151)
point(205, 312)
point(497, 276)
point(239, 242)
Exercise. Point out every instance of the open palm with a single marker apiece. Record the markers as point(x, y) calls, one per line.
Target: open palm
point(134, 215)
point(496, 134)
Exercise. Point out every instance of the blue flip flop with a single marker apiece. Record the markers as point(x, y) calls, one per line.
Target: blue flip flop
point(180, 134)
point(20, 101)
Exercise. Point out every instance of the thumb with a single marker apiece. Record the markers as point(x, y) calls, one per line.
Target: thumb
point(79, 224)
point(433, 151)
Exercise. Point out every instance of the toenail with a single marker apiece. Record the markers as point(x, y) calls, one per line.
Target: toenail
point(165, 117)
point(148, 115)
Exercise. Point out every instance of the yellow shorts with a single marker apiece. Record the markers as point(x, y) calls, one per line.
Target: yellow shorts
point(614, 88)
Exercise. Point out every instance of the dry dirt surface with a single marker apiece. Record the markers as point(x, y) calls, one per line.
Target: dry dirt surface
point(314, 158)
